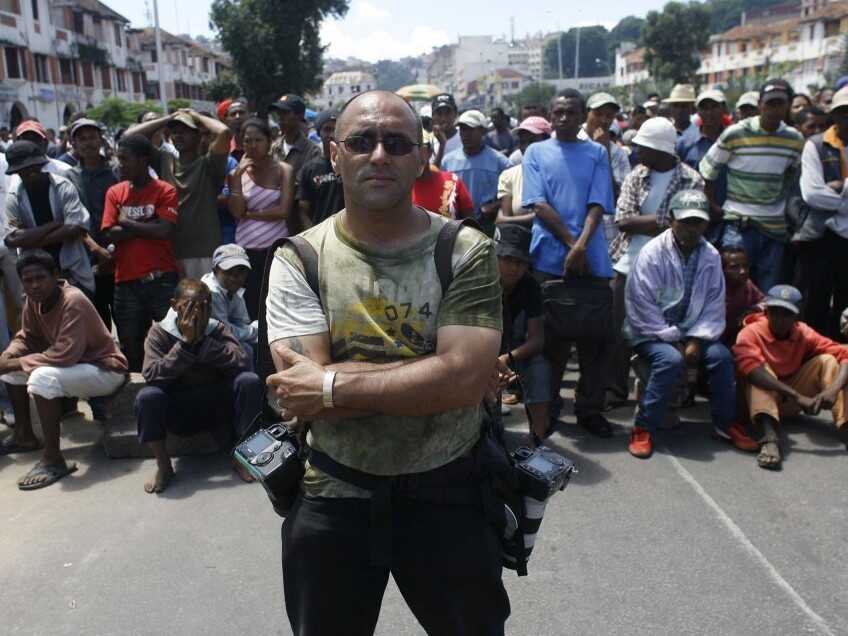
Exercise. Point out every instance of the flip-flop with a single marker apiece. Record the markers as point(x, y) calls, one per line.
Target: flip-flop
point(54, 473)
point(11, 447)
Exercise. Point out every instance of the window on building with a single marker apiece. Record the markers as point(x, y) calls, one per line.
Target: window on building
point(68, 71)
point(11, 6)
point(153, 56)
point(14, 65)
point(34, 4)
point(136, 80)
point(79, 23)
point(743, 46)
point(41, 72)
point(122, 80)
point(87, 74)
point(831, 28)
point(117, 26)
point(204, 64)
point(106, 77)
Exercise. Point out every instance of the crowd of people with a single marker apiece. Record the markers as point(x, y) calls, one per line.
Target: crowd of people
point(710, 238)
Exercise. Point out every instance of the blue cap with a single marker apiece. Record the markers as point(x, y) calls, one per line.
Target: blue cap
point(785, 296)
point(842, 81)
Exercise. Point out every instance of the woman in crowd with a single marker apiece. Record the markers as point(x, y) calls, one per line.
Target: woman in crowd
point(261, 198)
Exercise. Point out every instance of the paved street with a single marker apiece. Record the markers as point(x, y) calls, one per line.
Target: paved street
point(696, 540)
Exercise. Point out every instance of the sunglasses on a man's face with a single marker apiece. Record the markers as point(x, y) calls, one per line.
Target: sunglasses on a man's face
point(395, 145)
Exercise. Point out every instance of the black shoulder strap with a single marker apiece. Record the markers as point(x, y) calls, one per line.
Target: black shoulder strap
point(309, 257)
point(443, 253)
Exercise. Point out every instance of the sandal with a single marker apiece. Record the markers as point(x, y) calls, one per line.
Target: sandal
point(11, 447)
point(53, 472)
point(767, 460)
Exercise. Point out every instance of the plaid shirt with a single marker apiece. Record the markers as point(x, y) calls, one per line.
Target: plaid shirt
point(635, 190)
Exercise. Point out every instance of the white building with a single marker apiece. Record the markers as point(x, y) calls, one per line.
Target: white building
point(803, 46)
point(630, 65)
point(341, 86)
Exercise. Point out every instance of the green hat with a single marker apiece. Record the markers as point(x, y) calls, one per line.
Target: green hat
point(690, 204)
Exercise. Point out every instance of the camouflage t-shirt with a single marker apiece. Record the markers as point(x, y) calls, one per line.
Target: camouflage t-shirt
point(381, 306)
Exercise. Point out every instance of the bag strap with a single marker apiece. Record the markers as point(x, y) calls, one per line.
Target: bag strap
point(443, 253)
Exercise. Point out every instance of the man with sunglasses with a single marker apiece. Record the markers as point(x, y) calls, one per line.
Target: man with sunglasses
point(390, 372)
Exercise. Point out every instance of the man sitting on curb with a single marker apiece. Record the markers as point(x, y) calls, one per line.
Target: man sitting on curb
point(62, 351)
point(787, 368)
point(672, 322)
point(230, 267)
point(196, 379)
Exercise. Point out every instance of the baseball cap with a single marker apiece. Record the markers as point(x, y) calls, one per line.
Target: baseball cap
point(840, 99)
point(31, 126)
point(230, 255)
point(443, 100)
point(291, 103)
point(775, 89)
point(657, 133)
point(601, 99)
point(536, 125)
point(185, 119)
point(23, 154)
point(785, 296)
point(681, 94)
point(84, 123)
point(751, 98)
point(689, 204)
point(714, 94)
point(323, 117)
point(474, 119)
point(512, 240)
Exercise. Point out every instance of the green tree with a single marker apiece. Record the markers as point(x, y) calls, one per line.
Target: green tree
point(391, 75)
point(628, 29)
point(726, 14)
point(176, 104)
point(594, 53)
point(115, 112)
point(673, 38)
point(225, 86)
point(275, 46)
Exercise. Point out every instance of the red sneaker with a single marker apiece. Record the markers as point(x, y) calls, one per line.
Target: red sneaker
point(640, 443)
point(736, 435)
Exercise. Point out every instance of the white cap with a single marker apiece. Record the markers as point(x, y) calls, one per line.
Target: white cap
point(473, 118)
point(751, 98)
point(714, 94)
point(657, 133)
point(840, 99)
point(230, 255)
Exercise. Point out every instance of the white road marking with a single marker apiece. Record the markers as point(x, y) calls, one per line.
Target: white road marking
point(749, 547)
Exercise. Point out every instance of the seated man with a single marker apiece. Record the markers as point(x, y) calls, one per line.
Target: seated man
point(62, 351)
point(230, 267)
point(787, 368)
point(524, 330)
point(673, 322)
point(196, 379)
point(743, 297)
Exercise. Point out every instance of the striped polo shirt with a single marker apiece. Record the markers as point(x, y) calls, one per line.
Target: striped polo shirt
point(760, 166)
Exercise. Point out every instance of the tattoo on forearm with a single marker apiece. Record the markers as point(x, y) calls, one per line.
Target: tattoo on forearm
point(295, 345)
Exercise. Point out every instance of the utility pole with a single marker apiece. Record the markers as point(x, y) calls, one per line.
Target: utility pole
point(559, 52)
point(577, 55)
point(159, 63)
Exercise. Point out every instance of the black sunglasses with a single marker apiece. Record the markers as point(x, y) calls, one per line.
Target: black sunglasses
point(395, 145)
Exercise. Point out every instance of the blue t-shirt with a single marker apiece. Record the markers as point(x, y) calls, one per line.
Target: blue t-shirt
point(691, 150)
point(480, 173)
point(568, 176)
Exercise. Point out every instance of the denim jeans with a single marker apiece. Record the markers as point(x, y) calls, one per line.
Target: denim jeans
point(137, 304)
point(667, 364)
point(765, 254)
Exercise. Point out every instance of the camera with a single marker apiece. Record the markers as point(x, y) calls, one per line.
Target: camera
point(272, 456)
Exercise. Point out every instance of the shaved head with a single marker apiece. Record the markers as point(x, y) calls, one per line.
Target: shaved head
point(375, 100)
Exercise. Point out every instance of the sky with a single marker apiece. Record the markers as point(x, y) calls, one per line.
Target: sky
point(391, 29)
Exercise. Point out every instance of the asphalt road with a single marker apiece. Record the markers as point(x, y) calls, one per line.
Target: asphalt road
point(696, 540)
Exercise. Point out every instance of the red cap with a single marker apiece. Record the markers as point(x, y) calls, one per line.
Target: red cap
point(31, 126)
point(223, 107)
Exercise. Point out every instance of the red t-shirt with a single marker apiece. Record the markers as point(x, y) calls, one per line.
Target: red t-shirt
point(137, 257)
point(444, 193)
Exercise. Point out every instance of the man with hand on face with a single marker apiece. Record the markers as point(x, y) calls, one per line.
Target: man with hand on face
point(226, 282)
point(445, 133)
point(788, 368)
point(602, 109)
point(320, 189)
point(390, 370)
point(675, 317)
point(198, 180)
point(567, 184)
point(478, 165)
point(197, 379)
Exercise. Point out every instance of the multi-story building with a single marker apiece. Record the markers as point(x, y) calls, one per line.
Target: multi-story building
point(186, 67)
point(341, 86)
point(441, 65)
point(801, 42)
point(493, 89)
point(61, 56)
point(630, 65)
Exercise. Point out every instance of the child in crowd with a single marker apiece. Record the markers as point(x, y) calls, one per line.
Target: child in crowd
point(742, 296)
point(226, 281)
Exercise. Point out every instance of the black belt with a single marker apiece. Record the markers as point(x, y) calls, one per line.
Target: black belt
point(451, 484)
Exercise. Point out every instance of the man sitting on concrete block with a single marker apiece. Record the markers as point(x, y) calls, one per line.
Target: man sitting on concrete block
point(63, 350)
point(196, 377)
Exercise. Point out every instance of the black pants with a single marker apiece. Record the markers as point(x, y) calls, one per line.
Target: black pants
point(253, 286)
point(822, 274)
point(104, 293)
point(445, 561)
point(618, 382)
point(135, 306)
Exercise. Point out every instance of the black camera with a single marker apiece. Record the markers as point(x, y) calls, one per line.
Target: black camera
point(541, 471)
point(272, 456)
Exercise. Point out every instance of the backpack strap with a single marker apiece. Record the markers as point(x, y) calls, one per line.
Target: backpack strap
point(443, 253)
point(309, 258)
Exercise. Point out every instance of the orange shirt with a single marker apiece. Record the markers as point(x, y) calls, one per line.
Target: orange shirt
point(756, 346)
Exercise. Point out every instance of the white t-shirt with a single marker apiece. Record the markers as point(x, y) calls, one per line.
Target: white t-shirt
point(659, 184)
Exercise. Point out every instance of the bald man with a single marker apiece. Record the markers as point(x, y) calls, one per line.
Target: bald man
point(390, 372)
point(197, 379)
